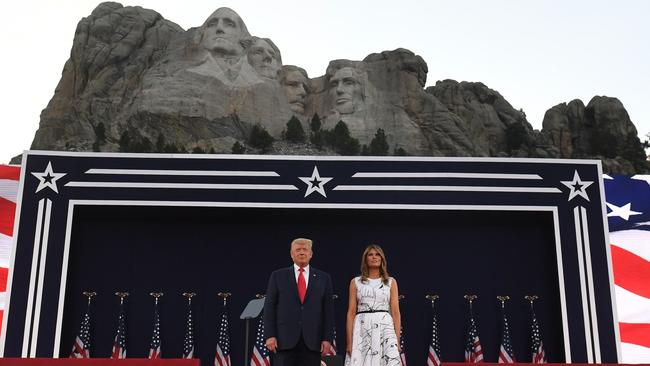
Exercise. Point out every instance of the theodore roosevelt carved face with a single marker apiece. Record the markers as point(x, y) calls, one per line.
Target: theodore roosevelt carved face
point(295, 84)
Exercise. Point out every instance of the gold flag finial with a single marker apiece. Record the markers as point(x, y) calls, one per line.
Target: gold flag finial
point(89, 295)
point(156, 295)
point(503, 299)
point(122, 295)
point(189, 296)
point(224, 296)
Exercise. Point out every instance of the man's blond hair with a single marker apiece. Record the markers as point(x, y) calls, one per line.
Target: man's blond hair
point(305, 241)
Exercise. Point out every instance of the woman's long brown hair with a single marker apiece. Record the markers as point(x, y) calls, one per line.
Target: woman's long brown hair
point(383, 269)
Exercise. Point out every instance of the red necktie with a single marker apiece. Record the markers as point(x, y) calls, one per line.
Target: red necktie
point(302, 285)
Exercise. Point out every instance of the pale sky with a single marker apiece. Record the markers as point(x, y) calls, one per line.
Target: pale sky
point(536, 53)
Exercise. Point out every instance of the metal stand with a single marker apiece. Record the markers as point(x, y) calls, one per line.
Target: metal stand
point(251, 311)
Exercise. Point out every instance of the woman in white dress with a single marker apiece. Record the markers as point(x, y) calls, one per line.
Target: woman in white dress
point(373, 320)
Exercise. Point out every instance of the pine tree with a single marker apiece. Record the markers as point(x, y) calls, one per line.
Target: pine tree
point(379, 145)
point(315, 124)
point(160, 143)
point(237, 148)
point(125, 141)
point(399, 151)
point(260, 138)
point(295, 132)
point(341, 141)
point(100, 136)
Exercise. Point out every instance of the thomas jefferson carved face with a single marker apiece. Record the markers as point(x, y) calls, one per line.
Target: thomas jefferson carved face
point(346, 90)
point(223, 33)
point(264, 58)
point(294, 83)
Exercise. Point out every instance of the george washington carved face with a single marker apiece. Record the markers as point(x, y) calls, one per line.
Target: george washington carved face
point(224, 34)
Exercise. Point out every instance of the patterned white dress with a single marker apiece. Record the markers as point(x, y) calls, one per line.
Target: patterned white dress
point(374, 342)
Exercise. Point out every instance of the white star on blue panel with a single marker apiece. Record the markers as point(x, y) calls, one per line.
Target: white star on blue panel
point(315, 183)
point(48, 178)
point(577, 186)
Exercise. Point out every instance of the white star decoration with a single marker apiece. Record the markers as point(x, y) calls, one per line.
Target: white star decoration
point(315, 183)
point(623, 212)
point(577, 186)
point(48, 178)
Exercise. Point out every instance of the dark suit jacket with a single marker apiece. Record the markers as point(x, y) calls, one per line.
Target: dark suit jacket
point(286, 318)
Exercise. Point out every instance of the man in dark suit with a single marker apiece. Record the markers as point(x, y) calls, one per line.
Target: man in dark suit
point(298, 310)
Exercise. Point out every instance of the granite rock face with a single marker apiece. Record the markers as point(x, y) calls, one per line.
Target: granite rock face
point(138, 82)
point(491, 121)
point(601, 130)
point(111, 49)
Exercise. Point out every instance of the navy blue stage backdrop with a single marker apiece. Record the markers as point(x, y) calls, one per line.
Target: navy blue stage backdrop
point(213, 223)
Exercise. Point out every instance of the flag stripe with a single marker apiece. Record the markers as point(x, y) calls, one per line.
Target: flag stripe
point(3, 280)
point(257, 357)
point(10, 172)
point(9, 189)
point(7, 210)
point(636, 309)
point(433, 360)
point(634, 352)
point(635, 241)
point(6, 243)
point(220, 361)
point(635, 333)
point(631, 271)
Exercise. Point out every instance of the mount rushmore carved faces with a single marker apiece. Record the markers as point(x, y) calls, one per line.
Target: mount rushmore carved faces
point(265, 57)
point(346, 90)
point(295, 83)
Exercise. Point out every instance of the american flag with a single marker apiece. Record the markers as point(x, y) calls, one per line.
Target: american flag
point(260, 355)
point(628, 212)
point(433, 358)
point(473, 351)
point(402, 354)
point(154, 346)
point(119, 343)
point(536, 344)
point(188, 342)
point(506, 354)
point(9, 176)
point(222, 357)
point(81, 346)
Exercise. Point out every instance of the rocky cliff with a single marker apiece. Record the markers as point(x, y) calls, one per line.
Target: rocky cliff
point(136, 82)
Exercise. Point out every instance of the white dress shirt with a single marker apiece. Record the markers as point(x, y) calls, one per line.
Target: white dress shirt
point(306, 273)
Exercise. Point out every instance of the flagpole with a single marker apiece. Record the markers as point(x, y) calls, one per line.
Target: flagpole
point(119, 343)
point(222, 353)
point(188, 341)
point(155, 353)
point(433, 357)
